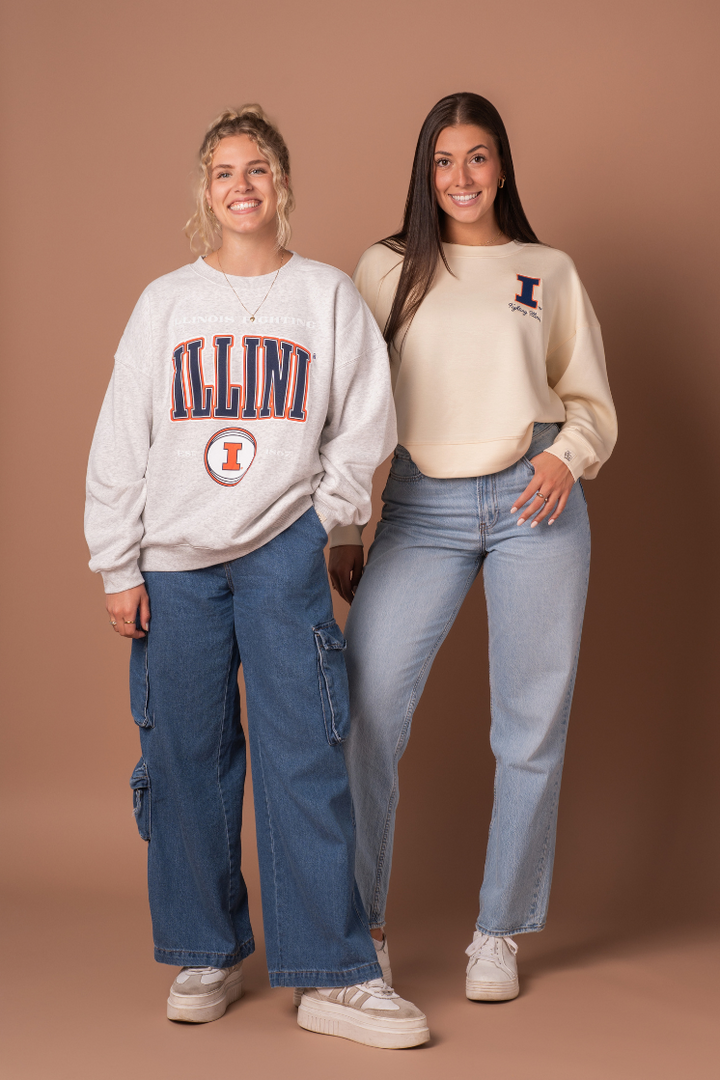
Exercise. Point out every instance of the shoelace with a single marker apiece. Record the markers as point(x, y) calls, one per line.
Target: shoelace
point(377, 988)
point(481, 944)
point(374, 987)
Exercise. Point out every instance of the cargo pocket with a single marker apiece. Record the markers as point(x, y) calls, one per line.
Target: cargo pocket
point(140, 784)
point(140, 683)
point(332, 677)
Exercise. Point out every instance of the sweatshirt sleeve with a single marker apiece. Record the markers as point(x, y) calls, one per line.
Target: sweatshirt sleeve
point(576, 372)
point(116, 486)
point(369, 278)
point(360, 430)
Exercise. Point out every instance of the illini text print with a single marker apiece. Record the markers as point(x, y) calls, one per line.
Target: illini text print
point(274, 384)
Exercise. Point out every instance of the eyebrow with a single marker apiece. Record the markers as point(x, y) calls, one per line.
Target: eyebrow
point(257, 161)
point(480, 146)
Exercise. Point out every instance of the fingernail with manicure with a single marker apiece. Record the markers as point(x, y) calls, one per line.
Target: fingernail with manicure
point(533, 524)
point(513, 509)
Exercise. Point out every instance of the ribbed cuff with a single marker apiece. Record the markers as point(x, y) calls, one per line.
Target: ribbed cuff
point(122, 580)
point(574, 452)
point(346, 534)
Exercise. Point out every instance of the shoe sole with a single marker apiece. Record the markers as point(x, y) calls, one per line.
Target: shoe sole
point(327, 1018)
point(489, 991)
point(179, 1008)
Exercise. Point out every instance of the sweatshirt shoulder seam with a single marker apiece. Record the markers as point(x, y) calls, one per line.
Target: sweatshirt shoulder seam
point(583, 326)
point(131, 367)
point(378, 350)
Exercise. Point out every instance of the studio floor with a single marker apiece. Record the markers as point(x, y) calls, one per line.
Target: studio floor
point(85, 1001)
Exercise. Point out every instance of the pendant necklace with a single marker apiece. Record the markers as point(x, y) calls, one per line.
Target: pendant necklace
point(252, 314)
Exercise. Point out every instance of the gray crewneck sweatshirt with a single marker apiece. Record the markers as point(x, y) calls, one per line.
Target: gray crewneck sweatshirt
point(217, 432)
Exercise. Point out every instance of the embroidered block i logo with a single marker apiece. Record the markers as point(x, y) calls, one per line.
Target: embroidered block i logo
point(526, 294)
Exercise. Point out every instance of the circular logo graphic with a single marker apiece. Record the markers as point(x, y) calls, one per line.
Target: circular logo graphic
point(229, 454)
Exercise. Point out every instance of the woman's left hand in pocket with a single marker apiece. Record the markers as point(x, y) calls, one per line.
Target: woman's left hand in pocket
point(548, 491)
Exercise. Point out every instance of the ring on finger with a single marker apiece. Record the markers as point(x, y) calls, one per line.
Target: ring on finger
point(540, 495)
point(113, 622)
point(129, 622)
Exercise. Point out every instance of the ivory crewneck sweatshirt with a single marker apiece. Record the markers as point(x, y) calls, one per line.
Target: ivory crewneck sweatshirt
point(217, 432)
point(509, 338)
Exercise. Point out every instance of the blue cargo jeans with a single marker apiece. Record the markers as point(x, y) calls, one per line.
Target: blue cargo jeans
point(271, 610)
point(434, 538)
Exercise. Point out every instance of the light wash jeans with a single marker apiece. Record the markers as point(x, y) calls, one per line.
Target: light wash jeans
point(272, 609)
point(433, 538)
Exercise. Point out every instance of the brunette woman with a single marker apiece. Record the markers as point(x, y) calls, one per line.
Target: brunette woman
point(503, 406)
point(249, 405)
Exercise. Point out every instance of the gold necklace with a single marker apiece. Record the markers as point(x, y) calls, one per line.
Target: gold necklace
point(486, 242)
point(252, 314)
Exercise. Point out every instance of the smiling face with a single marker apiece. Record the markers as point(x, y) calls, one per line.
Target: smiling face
point(241, 190)
point(467, 173)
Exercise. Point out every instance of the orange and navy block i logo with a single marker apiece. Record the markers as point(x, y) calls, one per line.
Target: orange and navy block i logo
point(229, 454)
point(526, 295)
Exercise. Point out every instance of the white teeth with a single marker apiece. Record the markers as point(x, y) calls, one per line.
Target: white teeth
point(244, 205)
point(465, 198)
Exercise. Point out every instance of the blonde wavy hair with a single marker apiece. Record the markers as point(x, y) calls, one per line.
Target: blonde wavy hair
point(203, 229)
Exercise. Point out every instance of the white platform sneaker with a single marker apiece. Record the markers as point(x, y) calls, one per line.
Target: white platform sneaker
point(381, 948)
point(492, 971)
point(370, 1013)
point(200, 994)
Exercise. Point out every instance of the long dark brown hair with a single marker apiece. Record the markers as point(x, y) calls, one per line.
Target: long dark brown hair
point(419, 240)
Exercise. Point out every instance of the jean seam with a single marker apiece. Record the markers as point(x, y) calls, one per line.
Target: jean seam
point(278, 939)
point(329, 718)
point(319, 971)
point(204, 952)
point(228, 575)
point(412, 703)
point(567, 705)
point(148, 718)
point(219, 783)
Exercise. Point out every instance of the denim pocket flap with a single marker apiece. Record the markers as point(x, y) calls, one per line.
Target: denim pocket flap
point(140, 784)
point(332, 680)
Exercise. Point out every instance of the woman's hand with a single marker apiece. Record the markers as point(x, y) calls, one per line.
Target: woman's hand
point(554, 480)
point(123, 608)
point(345, 566)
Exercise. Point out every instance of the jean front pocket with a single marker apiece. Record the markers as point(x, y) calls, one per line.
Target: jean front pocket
point(332, 679)
point(140, 683)
point(544, 435)
point(140, 784)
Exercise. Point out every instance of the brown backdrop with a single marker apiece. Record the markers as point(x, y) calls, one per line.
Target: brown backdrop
point(609, 112)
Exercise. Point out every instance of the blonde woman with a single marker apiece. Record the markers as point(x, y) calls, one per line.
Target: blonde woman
point(503, 405)
point(248, 408)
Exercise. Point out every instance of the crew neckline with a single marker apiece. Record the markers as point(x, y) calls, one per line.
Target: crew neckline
point(478, 251)
point(216, 276)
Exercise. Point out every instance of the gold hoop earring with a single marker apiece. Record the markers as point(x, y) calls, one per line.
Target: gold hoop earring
point(501, 182)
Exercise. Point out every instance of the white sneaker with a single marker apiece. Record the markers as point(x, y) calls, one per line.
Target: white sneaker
point(370, 1013)
point(200, 994)
point(381, 948)
point(492, 971)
